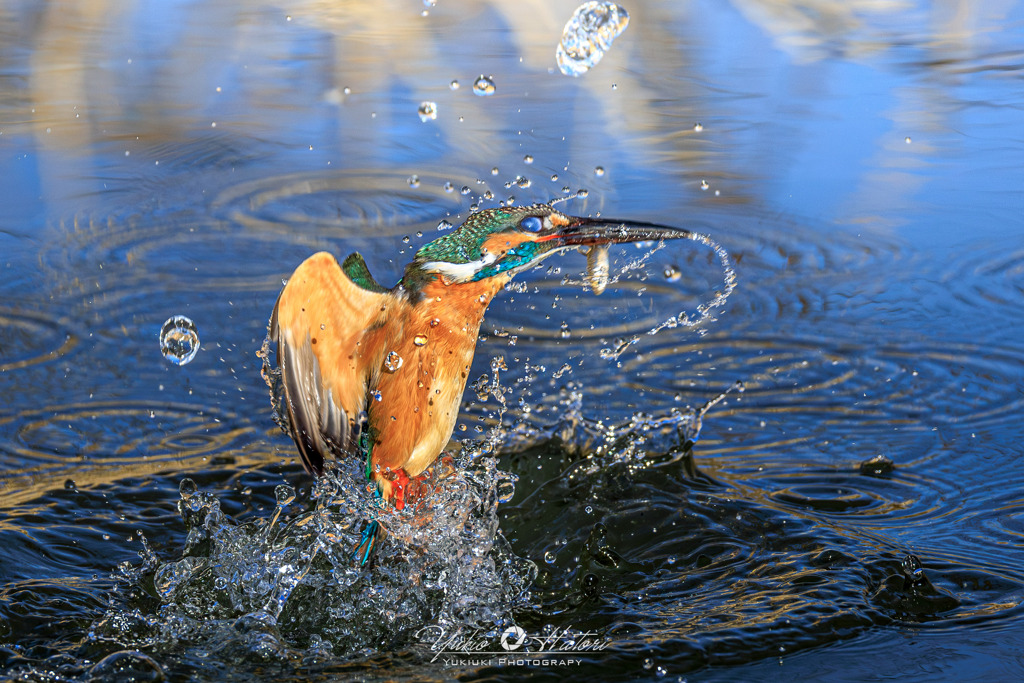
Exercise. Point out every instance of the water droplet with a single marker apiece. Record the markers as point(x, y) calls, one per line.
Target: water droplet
point(582, 193)
point(405, 239)
point(506, 490)
point(69, 485)
point(187, 488)
point(599, 171)
point(698, 127)
point(554, 177)
point(494, 171)
point(420, 340)
point(672, 273)
point(220, 583)
point(907, 139)
point(393, 361)
point(179, 341)
point(435, 322)
point(414, 181)
point(704, 185)
point(465, 189)
point(448, 187)
point(454, 85)
point(566, 332)
point(284, 493)
point(528, 159)
point(648, 663)
point(589, 510)
point(377, 396)
point(549, 557)
point(443, 225)
point(522, 181)
point(587, 36)
point(483, 86)
point(428, 111)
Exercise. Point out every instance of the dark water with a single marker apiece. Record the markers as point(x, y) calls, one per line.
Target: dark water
point(855, 513)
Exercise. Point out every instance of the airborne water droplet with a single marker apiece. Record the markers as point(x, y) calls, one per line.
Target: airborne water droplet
point(414, 181)
point(392, 361)
point(483, 86)
point(179, 340)
point(428, 111)
point(284, 493)
point(672, 273)
point(566, 332)
point(420, 340)
point(454, 85)
point(587, 36)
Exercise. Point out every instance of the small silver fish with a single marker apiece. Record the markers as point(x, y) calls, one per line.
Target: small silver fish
point(597, 268)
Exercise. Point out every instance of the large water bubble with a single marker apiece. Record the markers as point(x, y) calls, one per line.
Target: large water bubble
point(588, 35)
point(179, 340)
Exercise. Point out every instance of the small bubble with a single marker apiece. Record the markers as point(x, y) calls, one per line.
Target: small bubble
point(454, 85)
point(179, 340)
point(599, 171)
point(220, 583)
point(393, 361)
point(589, 510)
point(284, 493)
point(69, 485)
point(427, 111)
point(420, 340)
point(549, 557)
point(414, 181)
point(672, 273)
point(483, 86)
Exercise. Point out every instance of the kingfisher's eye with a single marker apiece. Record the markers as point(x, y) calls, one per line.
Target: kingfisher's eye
point(531, 224)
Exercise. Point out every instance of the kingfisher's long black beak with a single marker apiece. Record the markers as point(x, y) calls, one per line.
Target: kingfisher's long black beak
point(597, 231)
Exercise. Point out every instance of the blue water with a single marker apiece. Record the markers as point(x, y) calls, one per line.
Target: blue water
point(855, 513)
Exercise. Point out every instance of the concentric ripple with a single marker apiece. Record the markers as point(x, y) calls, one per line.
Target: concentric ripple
point(908, 383)
point(339, 203)
point(110, 440)
point(29, 338)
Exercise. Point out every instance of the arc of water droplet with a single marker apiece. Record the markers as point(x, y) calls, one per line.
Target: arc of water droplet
point(704, 311)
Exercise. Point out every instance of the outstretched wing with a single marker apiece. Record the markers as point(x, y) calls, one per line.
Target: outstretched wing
point(318, 322)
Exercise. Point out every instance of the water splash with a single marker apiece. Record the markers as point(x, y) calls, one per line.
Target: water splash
point(287, 587)
point(705, 311)
point(587, 36)
point(179, 340)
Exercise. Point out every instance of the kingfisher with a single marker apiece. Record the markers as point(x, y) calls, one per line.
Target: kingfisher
point(377, 373)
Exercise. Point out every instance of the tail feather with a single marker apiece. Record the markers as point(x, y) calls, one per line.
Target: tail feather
point(372, 533)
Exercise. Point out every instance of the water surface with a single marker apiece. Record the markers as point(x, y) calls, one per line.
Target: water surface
point(854, 513)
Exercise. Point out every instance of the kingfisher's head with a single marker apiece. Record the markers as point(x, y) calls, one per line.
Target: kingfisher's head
point(507, 240)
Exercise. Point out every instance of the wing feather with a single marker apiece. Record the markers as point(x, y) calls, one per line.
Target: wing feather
point(318, 324)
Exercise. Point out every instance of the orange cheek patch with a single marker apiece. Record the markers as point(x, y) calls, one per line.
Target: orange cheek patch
point(502, 242)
